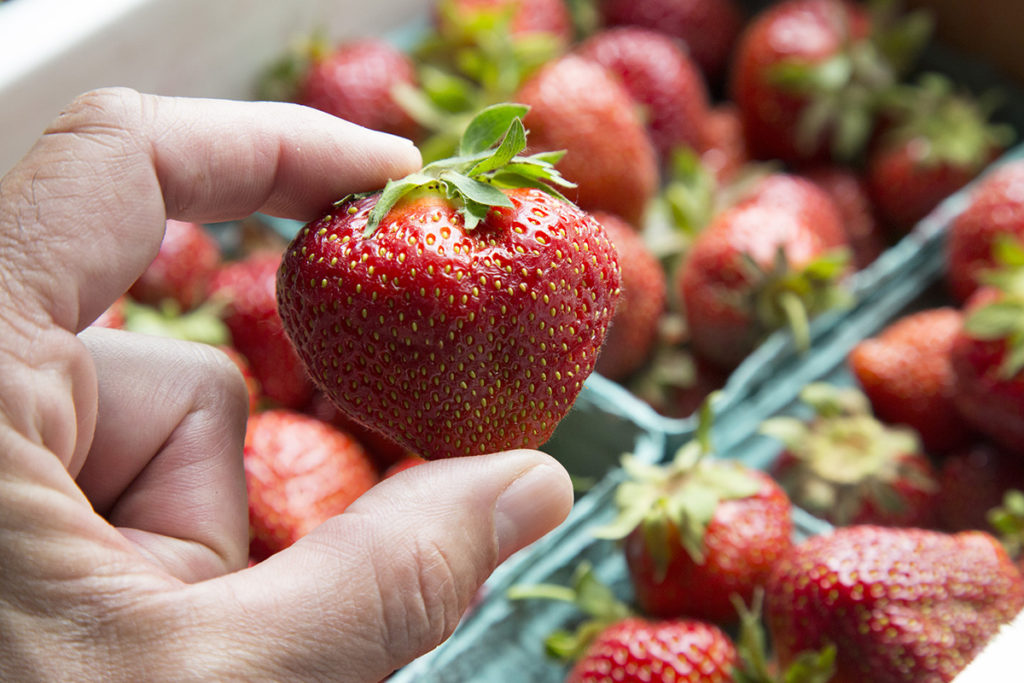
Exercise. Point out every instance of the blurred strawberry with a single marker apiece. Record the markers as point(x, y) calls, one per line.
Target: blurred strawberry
point(906, 371)
point(247, 289)
point(698, 530)
point(181, 270)
point(972, 481)
point(850, 194)
point(113, 317)
point(252, 385)
point(634, 327)
point(356, 81)
point(661, 78)
point(846, 467)
point(463, 21)
point(898, 604)
point(724, 150)
point(579, 106)
point(938, 142)
point(769, 262)
point(708, 28)
point(299, 473)
point(996, 207)
point(807, 75)
point(383, 451)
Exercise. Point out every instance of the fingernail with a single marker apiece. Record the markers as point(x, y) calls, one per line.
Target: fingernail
point(530, 507)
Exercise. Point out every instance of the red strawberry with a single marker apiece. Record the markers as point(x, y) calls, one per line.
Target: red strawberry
point(458, 19)
point(988, 366)
point(182, 269)
point(113, 317)
point(634, 328)
point(850, 194)
point(898, 604)
point(614, 644)
point(996, 208)
point(247, 288)
point(699, 530)
point(454, 312)
point(771, 260)
point(906, 371)
point(383, 451)
point(972, 481)
point(806, 77)
point(580, 106)
point(299, 473)
point(724, 150)
point(708, 28)
point(661, 78)
point(845, 466)
point(356, 81)
point(940, 141)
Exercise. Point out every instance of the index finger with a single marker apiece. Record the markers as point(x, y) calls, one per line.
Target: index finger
point(90, 199)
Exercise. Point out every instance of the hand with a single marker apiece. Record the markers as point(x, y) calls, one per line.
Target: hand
point(123, 517)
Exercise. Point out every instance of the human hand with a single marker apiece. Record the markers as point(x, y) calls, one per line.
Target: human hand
point(123, 517)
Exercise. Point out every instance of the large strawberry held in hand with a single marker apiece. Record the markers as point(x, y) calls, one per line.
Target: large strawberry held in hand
point(460, 309)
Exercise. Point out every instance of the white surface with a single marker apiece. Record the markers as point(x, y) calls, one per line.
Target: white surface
point(1002, 661)
point(52, 50)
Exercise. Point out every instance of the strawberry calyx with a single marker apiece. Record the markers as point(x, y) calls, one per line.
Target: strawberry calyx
point(1008, 522)
point(844, 455)
point(751, 646)
point(1003, 318)
point(281, 81)
point(202, 324)
point(677, 501)
point(787, 297)
point(488, 161)
point(594, 598)
point(943, 125)
point(843, 90)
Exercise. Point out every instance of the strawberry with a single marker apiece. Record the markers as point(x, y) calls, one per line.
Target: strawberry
point(615, 644)
point(383, 451)
point(461, 21)
point(699, 530)
point(770, 261)
point(938, 143)
point(850, 194)
point(246, 289)
point(897, 604)
point(182, 269)
point(845, 466)
point(252, 385)
point(661, 78)
point(972, 481)
point(580, 106)
point(996, 207)
point(724, 148)
point(708, 28)
point(988, 365)
point(356, 81)
point(634, 328)
point(403, 464)
point(906, 371)
point(299, 472)
point(459, 310)
point(807, 75)
point(113, 317)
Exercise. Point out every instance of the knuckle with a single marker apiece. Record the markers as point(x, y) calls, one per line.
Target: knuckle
point(103, 108)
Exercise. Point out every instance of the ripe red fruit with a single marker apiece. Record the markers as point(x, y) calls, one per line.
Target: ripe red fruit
point(383, 451)
point(247, 290)
point(988, 367)
point(453, 316)
point(113, 317)
point(661, 78)
point(972, 481)
point(938, 142)
point(299, 473)
point(520, 18)
point(699, 530)
point(768, 262)
point(634, 328)
point(996, 209)
point(907, 373)
point(898, 604)
point(724, 149)
point(579, 106)
point(356, 80)
point(181, 270)
point(845, 466)
point(632, 649)
point(708, 28)
point(850, 194)
point(252, 385)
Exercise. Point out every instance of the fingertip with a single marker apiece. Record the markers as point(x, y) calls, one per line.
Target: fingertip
point(533, 504)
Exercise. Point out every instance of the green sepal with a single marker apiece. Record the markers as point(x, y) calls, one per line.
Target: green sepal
point(1008, 522)
point(490, 126)
point(202, 325)
point(511, 145)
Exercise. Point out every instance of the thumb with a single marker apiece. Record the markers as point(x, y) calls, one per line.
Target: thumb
point(388, 580)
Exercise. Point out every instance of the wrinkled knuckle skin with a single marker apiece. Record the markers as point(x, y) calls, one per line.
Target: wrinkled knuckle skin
point(103, 108)
point(223, 379)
